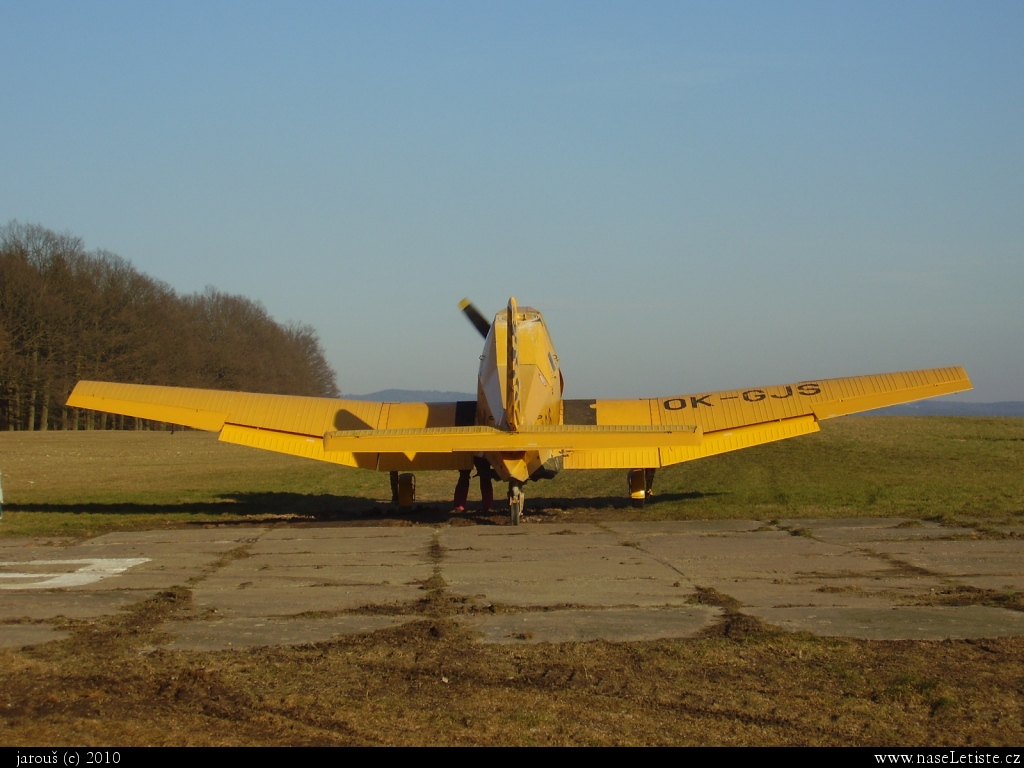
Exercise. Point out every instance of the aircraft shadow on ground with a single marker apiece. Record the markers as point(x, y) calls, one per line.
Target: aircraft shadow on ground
point(610, 502)
point(230, 504)
point(301, 507)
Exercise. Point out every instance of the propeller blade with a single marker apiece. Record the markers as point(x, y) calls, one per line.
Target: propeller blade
point(479, 321)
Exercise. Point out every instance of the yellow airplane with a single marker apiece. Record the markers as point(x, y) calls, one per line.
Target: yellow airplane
point(519, 423)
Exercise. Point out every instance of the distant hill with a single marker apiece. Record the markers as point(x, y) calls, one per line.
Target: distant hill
point(951, 408)
point(923, 408)
point(412, 396)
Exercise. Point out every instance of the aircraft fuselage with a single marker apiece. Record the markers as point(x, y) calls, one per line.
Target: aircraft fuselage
point(520, 385)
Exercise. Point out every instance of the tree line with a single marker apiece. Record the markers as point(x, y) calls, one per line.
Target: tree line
point(67, 314)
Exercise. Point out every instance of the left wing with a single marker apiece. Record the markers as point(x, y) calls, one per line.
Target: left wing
point(283, 423)
point(743, 418)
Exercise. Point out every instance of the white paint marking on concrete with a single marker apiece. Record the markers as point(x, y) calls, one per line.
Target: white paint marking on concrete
point(91, 570)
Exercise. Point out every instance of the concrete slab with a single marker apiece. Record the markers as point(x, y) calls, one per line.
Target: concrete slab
point(900, 530)
point(22, 635)
point(958, 556)
point(154, 559)
point(539, 538)
point(10, 547)
point(857, 523)
point(236, 600)
point(909, 623)
point(534, 569)
point(204, 537)
point(342, 540)
point(293, 571)
point(71, 605)
point(753, 594)
point(223, 634)
point(982, 563)
point(695, 527)
point(771, 568)
point(574, 625)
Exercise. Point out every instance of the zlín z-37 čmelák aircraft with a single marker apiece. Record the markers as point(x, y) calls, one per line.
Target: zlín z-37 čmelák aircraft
point(519, 424)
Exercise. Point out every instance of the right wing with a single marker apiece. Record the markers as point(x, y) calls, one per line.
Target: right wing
point(743, 418)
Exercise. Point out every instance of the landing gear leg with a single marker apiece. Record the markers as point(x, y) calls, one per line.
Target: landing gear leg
point(394, 488)
point(637, 487)
point(515, 500)
point(406, 490)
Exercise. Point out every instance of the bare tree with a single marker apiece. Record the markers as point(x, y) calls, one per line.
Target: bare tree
point(67, 315)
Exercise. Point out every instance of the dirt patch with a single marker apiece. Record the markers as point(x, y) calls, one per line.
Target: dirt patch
point(430, 682)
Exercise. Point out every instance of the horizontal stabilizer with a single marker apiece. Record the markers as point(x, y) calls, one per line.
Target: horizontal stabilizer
point(488, 439)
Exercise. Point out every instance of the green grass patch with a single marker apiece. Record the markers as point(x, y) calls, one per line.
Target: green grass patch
point(959, 471)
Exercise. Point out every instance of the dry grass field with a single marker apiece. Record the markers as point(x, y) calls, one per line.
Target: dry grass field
point(430, 682)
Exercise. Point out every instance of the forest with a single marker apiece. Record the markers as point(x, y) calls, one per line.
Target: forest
point(67, 314)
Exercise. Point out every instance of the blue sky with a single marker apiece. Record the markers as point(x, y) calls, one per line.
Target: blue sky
point(696, 195)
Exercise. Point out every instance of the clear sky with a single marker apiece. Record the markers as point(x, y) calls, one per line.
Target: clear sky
point(696, 195)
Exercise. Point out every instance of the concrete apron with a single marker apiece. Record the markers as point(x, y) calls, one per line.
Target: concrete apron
point(866, 578)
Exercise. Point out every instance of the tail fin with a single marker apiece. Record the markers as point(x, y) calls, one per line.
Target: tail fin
point(513, 411)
